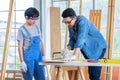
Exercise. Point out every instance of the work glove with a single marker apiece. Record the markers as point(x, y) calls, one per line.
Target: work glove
point(23, 67)
point(65, 52)
point(43, 58)
point(70, 58)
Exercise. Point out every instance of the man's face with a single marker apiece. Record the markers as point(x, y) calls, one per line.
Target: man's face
point(69, 21)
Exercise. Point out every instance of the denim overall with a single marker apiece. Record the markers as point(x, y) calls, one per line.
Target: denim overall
point(32, 56)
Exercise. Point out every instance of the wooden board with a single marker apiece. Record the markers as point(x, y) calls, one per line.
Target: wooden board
point(109, 36)
point(62, 61)
point(55, 31)
point(95, 17)
point(53, 61)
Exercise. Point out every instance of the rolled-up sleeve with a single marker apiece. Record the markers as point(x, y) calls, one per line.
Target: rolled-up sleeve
point(82, 34)
point(70, 43)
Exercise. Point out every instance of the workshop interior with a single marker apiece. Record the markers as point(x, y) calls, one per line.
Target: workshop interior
point(66, 29)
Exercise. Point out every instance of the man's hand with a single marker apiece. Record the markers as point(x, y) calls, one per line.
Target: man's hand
point(23, 67)
point(70, 58)
point(65, 51)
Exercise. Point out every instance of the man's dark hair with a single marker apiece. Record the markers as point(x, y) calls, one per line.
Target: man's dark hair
point(31, 12)
point(69, 12)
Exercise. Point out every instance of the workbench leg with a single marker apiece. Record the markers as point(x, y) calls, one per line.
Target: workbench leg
point(119, 74)
point(59, 74)
point(65, 75)
point(73, 75)
point(81, 73)
point(53, 72)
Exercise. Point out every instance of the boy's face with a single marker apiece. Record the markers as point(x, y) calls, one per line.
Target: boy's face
point(31, 20)
point(69, 21)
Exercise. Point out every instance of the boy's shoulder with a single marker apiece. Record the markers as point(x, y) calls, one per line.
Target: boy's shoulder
point(21, 27)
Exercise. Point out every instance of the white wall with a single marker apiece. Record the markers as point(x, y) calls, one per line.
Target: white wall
point(46, 4)
point(44, 7)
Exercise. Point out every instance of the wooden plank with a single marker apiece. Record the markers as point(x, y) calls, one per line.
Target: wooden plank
point(6, 45)
point(95, 17)
point(53, 72)
point(110, 31)
point(107, 70)
point(55, 35)
point(55, 31)
point(108, 27)
point(119, 74)
point(80, 9)
point(13, 79)
point(73, 75)
point(112, 27)
point(69, 3)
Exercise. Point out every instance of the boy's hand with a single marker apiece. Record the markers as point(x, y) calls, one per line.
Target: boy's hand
point(23, 67)
point(43, 58)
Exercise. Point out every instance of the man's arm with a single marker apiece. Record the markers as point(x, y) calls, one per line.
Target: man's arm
point(69, 47)
point(83, 29)
point(76, 51)
point(20, 50)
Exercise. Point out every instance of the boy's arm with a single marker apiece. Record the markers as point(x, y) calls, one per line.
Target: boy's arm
point(20, 50)
point(42, 48)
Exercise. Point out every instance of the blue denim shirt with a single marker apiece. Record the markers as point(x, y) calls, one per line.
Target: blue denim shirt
point(85, 35)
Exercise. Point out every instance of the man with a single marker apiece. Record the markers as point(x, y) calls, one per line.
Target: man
point(85, 37)
point(30, 47)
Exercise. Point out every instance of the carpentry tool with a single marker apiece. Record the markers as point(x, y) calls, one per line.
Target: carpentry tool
point(109, 61)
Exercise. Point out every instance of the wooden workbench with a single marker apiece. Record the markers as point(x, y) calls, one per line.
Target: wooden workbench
point(68, 64)
point(77, 63)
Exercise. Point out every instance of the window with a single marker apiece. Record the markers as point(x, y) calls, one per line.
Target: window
point(18, 20)
point(103, 5)
point(116, 41)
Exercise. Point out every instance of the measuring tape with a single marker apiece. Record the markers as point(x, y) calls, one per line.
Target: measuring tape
point(110, 61)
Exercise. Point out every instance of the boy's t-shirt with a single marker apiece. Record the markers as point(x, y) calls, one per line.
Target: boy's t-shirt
point(24, 36)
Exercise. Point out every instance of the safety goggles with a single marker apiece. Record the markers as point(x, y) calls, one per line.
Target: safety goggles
point(33, 18)
point(67, 22)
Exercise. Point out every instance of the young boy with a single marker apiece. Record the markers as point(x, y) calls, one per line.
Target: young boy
point(30, 47)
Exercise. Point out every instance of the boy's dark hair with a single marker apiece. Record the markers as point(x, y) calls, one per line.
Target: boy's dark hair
point(69, 12)
point(31, 12)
